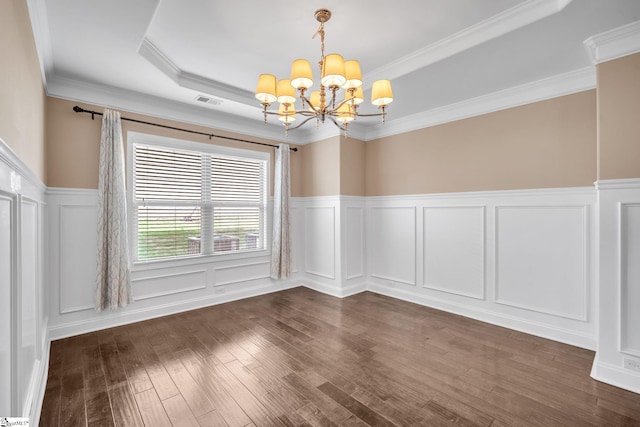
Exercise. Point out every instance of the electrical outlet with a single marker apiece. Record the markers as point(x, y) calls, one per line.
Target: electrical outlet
point(632, 364)
point(392, 284)
point(220, 290)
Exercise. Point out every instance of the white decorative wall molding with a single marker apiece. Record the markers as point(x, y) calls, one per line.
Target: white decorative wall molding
point(77, 248)
point(23, 332)
point(454, 250)
point(168, 283)
point(618, 250)
point(320, 241)
point(615, 43)
point(392, 243)
point(629, 278)
point(483, 279)
point(542, 253)
point(229, 274)
point(355, 235)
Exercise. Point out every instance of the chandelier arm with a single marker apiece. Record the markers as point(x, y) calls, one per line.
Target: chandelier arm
point(315, 110)
point(335, 122)
point(301, 113)
point(371, 115)
point(302, 123)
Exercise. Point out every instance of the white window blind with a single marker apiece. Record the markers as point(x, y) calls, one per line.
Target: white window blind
point(191, 203)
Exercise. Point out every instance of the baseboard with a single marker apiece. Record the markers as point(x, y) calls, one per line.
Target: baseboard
point(41, 384)
point(335, 291)
point(123, 318)
point(533, 328)
point(616, 376)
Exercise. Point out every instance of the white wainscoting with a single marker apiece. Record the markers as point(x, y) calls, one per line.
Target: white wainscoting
point(454, 250)
point(617, 360)
point(332, 232)
point(522, 259)
point(159, 287)
point(24, 343)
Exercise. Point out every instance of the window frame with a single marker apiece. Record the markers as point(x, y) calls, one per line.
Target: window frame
point(137, 138)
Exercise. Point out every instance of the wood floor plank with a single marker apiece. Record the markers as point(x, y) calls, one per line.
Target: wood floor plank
point(222, 401)
point(97, 402)
point(158, 375)
point(123, 405)
point(151, 409)
point(299, 357)
point(179, 412)
point(192, 393)
point(361, 411)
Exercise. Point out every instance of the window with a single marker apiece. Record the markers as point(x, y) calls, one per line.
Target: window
point(192, 199)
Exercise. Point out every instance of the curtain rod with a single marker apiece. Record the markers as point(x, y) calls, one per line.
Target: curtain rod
point(210, 135)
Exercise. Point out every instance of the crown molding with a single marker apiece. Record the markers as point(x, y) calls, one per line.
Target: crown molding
point(615, 43)
point(136, 102)
point(505, 22)
point(187, 80)
point(540, 90)
point(42, 36)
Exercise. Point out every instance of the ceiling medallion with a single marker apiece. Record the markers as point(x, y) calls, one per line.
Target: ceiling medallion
point(336, 74)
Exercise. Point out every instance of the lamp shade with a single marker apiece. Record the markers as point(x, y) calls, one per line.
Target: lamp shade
point(345, 113)
point(266, 89)
point(286, 93)
point(333, 71)
point(352, 74)
point(286, 113)
point(314, 100)
point(381, 93)
point(357, 95)
point(301, 75)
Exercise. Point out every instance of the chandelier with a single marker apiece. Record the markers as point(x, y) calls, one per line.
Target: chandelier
point(335, 74)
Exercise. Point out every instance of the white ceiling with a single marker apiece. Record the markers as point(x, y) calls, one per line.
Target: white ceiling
point(446, 58)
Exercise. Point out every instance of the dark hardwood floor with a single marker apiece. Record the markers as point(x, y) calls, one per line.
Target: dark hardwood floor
point(299, 357)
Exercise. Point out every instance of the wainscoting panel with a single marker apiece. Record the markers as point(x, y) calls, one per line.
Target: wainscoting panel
point(617, 360)
point(454, 250)
point(630, 278)
point(320, 241)
point(522, 259)
point(6, 278)
point(24, 340)
point(541, 259)
point(296, 234)
point(161, 283)
point(77, 269)
point(28, 293)
point(354, 242)
point(244, 272)
point(391, 241)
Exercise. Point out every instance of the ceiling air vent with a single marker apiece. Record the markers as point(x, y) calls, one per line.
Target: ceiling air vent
point(208, 100)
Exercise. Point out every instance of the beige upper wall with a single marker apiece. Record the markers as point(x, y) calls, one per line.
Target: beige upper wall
point(546, 144)
point(22, 95)
point(352, 167)
point(619, 118)
point(73, 142)
point(320, 168)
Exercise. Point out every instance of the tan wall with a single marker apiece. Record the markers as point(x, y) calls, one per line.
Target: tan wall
point(22, 95)
point(546, 144)
point(320, 168)
point(619, 118)
point(352, 167)
point(73, 142)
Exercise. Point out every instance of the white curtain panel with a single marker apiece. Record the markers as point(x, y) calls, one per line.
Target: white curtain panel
point(113, 279)
point(280, 243)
